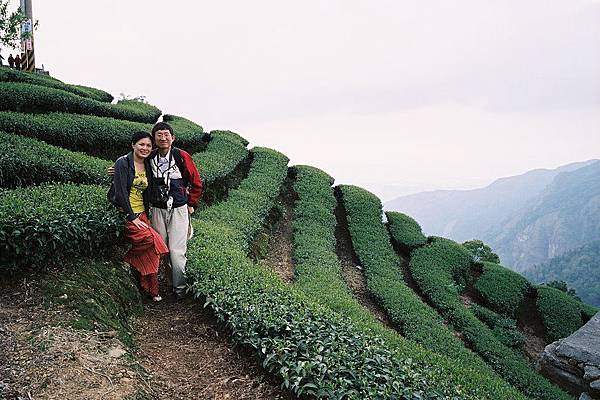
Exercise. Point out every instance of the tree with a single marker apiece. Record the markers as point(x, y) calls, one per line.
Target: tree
point(10, 24)
point(481, 251)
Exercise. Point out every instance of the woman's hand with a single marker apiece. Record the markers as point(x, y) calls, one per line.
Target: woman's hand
point(139, 223)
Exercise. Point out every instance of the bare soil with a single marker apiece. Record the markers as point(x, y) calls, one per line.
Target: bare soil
point(182, 353)
point(279, 257)
point(42, 357)
point(352, 271)
point(531, 325)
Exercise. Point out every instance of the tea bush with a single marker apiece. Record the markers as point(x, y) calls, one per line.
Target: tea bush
point(12, 75)
point(414, 319)
point(26, 161)
point(561, 314)
point(47, 223)
point(247, 206)
point(502, 289)
point(107, 138)
point(441, 270)
point(505, 329)
point(223, 154)
point(25, 97)
point(236, 137)
point(318, 275)
point(405, 231)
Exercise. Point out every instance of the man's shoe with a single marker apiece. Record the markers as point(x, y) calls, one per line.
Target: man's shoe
point(156, 299)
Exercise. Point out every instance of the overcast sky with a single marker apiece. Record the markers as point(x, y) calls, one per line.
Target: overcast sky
point(395, 96)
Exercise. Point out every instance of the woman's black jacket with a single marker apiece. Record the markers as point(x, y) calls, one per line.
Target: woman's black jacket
point(122, 182)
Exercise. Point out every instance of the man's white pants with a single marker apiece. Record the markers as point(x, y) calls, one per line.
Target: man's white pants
point(173, 225)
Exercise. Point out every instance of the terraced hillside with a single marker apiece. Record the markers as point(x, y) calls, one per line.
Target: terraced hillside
point(315, 294)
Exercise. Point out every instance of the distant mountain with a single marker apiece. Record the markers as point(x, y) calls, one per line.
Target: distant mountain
point(467, 214)
point(579, 268)
point(563, 217)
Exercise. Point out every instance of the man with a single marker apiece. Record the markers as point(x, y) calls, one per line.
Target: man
point(18, 62)
point(11, 61)
point(175, 189)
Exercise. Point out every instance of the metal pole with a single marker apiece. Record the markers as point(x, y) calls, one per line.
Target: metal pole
point(28, 55)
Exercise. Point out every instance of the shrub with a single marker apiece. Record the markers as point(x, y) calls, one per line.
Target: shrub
point(26, 161)
point(26, 97)
point(405, 231)
point(560, 313)
point(45, 224)
point(318, 275)
point(501, 288)
point(232, 135)
point(247, 206)
point(505, 329)
point(221, 157)
point(481, 252)
point(439, 270)
point(107, 138)
point(314, 351)
point(12, 75)
point(92, 93)
point(412, 317)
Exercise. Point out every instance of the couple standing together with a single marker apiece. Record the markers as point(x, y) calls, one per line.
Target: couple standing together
point(164, 183)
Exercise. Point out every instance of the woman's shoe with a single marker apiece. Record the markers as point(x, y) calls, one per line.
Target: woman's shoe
point(156, 298)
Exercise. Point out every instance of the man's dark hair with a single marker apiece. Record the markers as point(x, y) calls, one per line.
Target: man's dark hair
point(139, 135)
point(161, 126)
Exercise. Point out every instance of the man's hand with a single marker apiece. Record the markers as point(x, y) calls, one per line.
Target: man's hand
point(110, 171)
point(190, 210)
point(139, 223)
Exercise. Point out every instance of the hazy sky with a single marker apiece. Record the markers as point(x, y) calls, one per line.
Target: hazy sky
point(390, 95)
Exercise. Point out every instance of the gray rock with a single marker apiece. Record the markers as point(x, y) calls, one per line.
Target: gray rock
point(585, 396)
point(595, 385)
point(584, 344)
point(567, 376)
point(591, 373)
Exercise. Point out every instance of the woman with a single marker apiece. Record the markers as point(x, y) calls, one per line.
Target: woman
point(129, 193)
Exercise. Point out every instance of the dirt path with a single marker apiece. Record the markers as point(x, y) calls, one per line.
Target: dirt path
point(281, 243)
point(189, 357)
point(351, 270)
point(531, 325)
point(182, 354)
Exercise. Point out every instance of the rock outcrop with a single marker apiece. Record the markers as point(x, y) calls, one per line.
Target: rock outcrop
point(573, 363)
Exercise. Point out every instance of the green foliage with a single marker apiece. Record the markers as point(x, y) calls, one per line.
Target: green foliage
point(439, 270)
point(314, 351)
point(10, 23)
point(223, 154)
point(90, 92)
point(106, 138)
point(560, 313)
point(502, 289)
point(505, 329)
point(578, 268)
point(25, 97)
point(48, 223)
point(405, 230)
point(13, 75)
point(318, 275)
point(103, 293)
point(26, 161)
point(481, 251)
point(247, 206)
point(414, 319)
point(236, 137)
point(562, 286)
